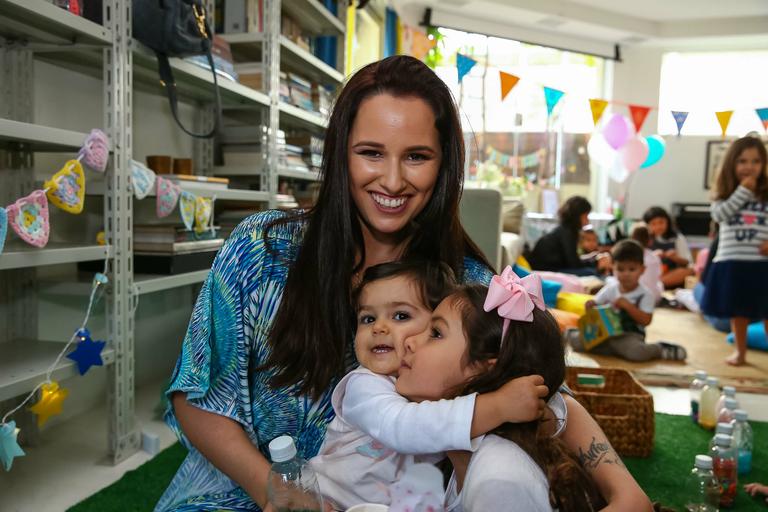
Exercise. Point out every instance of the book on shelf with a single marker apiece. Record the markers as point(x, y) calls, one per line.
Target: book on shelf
point(243, 155)
point(177, 247)
point(191, 181)
point(169, 233)
point(243, 16)
point(250, 74)
point(243, 134)
point(173, 264)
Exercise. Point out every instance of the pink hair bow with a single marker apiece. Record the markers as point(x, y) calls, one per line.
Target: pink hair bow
point(513, 297)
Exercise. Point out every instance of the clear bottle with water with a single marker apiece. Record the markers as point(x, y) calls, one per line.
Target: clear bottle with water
point(699, 379)
point(722, 428)
point(291, 485)
point(728, 392)
point(726, 414)
point(709, 397)
point(724, 466)
point(702, 487)
point(743, 438)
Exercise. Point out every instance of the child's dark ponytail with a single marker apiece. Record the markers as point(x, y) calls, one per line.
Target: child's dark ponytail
point(528, 348)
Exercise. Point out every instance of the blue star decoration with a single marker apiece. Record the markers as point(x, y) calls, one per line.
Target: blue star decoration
point(87, 353)
point(9, 447)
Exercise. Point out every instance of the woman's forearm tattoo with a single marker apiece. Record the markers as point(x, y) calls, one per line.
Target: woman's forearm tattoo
point(598, 452)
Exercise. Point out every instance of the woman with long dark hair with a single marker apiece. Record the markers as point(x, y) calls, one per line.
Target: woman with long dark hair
point(271, 333)
point(557, 251)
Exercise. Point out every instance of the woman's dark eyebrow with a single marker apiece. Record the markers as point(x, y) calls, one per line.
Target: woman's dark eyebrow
point(378, 145)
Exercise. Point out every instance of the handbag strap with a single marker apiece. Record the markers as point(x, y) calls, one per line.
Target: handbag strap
point(166, 78)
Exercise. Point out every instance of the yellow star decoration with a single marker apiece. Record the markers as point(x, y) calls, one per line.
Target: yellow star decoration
point(51, 398)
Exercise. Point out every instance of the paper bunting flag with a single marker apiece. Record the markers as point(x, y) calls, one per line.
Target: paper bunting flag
point(464, 65)
point(553, 97)
point(51, 398)
point(9, 445)
point(508, 82)
point(680, 118)
point(143, 179)
point(167, 196)
point(638, 114)
point(203, 211)
point(95, 150)
point(187, 208)
point(598, 107)
point(87, 352)
point(28, 217)
point(66, 188)
point(724, 118)
point(3, 227)
point(762, 113)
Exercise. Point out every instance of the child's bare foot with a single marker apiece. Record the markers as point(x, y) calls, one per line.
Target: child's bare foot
point(736, 359)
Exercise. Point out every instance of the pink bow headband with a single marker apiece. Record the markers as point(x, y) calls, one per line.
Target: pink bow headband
point(514, 298)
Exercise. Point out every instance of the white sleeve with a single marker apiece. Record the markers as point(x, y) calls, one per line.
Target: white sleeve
point(647, 301)
point(682, 249)
point(372, 405)
point(605, 295)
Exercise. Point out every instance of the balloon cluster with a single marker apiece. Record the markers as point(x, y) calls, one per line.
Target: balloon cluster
point(618, 148)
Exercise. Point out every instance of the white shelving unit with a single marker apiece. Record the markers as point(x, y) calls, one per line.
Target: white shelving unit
point(124, 66)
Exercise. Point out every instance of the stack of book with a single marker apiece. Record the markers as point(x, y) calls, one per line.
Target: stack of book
point(300, 92)
point(311, 148)
point(237, 16)
point(194, 182)
point(250, 74)
point(243, 145)
point(171, 249)
point(293, 31)
point(222, 59)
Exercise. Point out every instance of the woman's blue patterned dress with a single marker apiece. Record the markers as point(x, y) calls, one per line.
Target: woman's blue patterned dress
point(225, 340)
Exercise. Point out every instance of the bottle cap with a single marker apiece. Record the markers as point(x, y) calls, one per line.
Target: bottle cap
point(700, 374)
point(731, 403)
point(729, 391)
point(740, 414)
point(704, 462)
point(282, 449)
point(723, 440)
point(713, 382)
point(724, 428)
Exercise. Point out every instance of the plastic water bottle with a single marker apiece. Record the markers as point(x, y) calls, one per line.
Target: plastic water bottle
point(699, 379)
point(726, 414)
point(722, 428)
point(703, 488)
point(728, 392)
point(725, 468)
point(709, 397)
point(743, 439)
point(292, 485)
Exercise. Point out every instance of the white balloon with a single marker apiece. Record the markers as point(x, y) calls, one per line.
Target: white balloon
point(600, 151)
point(618, 171)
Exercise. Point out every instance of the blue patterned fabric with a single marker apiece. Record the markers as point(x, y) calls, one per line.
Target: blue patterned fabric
point(225, 340)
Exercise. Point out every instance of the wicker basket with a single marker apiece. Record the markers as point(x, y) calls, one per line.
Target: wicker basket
point(622, 407)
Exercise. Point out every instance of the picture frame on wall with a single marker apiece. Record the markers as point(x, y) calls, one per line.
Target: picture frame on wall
point(716, 150)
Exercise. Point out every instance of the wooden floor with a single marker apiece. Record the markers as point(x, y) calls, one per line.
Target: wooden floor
point(706, 348)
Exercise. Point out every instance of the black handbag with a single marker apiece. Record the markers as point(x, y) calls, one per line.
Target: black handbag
point(176, 28)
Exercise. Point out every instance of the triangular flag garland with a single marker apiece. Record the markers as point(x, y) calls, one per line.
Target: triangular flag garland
point(552, 97)
point(638, 114)
point(464, 65)
point(680, 118)
point(597, 107)
point(66, 188)
point(28, 217)
point(167, 196)
point(508, 82)
point(522, 162)
point(3, 227)
point(187, 205)
point(724, 118)
point(762, 113)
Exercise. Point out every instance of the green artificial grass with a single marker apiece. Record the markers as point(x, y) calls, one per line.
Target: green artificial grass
point(678, 440)
point(662, 475)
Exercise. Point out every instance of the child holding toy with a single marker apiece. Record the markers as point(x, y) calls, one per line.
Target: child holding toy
point(736, 283)
point(635, 304)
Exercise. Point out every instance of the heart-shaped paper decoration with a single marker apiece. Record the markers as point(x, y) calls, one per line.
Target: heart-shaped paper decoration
point(66, 188)
point(187, 208)
point(203, 210)
point(28, 217)
point(143, 179)
point(167, 196)
point(3, 227)
point(95, 150)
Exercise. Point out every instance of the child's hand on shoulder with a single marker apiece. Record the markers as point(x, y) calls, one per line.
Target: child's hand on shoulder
point(522, 399)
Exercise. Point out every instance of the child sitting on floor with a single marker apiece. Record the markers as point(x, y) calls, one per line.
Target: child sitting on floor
point(377, 432)
point(589, 251)
point(635, 304)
